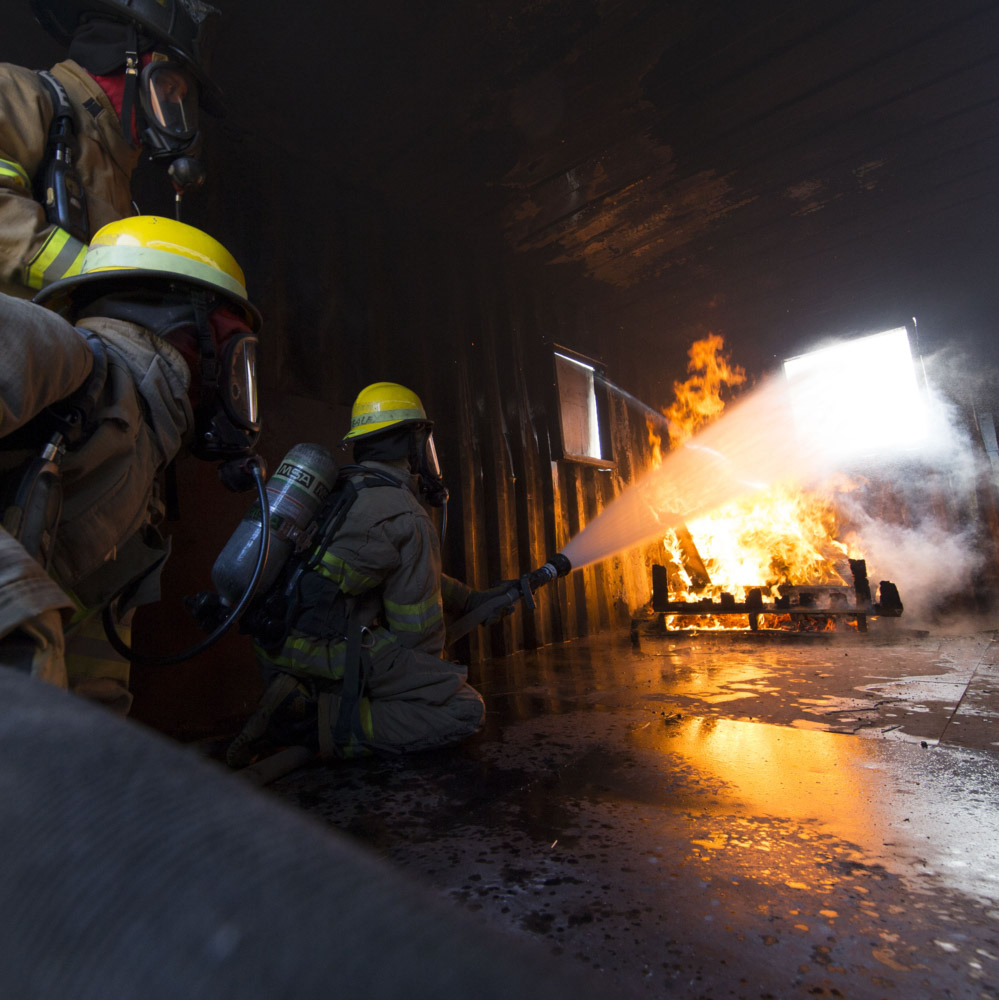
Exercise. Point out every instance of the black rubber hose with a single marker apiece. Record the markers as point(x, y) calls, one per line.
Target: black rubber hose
point(134, 869)
point(123, 649)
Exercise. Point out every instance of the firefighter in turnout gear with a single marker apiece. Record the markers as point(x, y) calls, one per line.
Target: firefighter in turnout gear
point(161, 358)
point(70, 138)
point(359, 667)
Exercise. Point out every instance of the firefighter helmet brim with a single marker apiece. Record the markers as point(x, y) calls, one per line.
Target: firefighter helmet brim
point(383, 406)
point(146, 249)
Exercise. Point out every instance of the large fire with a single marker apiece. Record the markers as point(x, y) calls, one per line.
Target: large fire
point(781, 536)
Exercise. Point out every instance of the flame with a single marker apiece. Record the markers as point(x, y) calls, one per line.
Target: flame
point(782, 536)
point(699, 400)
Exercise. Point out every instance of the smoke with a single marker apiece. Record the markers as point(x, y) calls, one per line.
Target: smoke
point(915, 516)
point(750, 447)
point(929, 562)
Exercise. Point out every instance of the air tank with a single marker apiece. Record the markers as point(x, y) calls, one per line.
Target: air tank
point(302, 481)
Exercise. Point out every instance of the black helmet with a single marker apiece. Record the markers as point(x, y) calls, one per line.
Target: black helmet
point(174, 25)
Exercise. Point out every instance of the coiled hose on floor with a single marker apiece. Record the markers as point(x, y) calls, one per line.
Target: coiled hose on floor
point(132, 868)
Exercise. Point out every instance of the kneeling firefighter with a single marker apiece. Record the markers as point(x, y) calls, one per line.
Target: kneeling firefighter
point(350, 639)
point(161, 357)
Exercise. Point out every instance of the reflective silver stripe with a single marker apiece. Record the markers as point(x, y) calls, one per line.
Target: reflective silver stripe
point(68, 261)
point(8, 168)
point(151, 259)
point(385, 416)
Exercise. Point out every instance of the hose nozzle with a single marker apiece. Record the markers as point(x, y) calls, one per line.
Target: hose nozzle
point(556, 566)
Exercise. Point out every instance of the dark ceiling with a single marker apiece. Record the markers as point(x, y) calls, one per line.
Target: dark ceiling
point(775, 172)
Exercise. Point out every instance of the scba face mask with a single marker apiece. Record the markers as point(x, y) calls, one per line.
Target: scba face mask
point(428, 468)
point(168, 95)
point(239, 366)
point(227, 417)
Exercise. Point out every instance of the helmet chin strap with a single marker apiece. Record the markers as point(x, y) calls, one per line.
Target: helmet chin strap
point(208, 360)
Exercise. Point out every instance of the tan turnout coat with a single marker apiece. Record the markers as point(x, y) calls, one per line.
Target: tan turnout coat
point(32, 253)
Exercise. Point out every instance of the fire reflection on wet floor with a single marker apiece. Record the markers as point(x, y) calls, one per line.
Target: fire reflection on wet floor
point(852, 790)
point(623, 811)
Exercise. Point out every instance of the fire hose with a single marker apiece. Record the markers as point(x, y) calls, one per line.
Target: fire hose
point(135, 870)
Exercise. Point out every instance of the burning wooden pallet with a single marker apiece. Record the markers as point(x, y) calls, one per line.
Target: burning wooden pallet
point(796, 607)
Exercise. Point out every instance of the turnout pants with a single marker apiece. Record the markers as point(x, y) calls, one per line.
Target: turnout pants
point(31, 616)
point(409, 700)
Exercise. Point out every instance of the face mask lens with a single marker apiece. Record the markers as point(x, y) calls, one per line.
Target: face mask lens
point(241, 368)
point(172, 99)
point(433, 466)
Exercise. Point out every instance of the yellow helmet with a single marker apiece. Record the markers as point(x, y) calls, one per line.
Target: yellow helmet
point(144, 247)
point(384, 405)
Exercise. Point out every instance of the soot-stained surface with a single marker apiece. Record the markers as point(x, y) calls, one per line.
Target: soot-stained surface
point(716, 816)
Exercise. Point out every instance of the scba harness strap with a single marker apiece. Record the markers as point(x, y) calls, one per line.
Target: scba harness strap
point(32, 492)
point(357, 659)
point(311, 604)
point(58, 186)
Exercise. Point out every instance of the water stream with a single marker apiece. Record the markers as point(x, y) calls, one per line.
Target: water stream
point(786, 430)
point(750, 447)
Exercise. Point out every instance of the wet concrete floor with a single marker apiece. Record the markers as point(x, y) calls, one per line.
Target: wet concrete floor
point(713, 816)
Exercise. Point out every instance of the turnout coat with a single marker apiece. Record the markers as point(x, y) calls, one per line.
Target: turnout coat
point(382, 571)
point(107, 533)
point(34, 253)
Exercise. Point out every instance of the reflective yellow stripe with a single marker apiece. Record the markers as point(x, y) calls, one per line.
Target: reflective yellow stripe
point(414, 617)
point(354, 747)
point(61, 255)
point(348, 579)
point(367, 723)
point(90, 654)
point(114, 255)
point(15, 172)
point(305, 655)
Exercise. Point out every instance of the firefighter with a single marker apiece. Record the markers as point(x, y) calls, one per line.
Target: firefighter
point(161, 358)
point(71, 138)
point(359, 667)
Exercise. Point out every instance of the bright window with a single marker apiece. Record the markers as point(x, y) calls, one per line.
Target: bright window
point(582, 408)
point(859, 396)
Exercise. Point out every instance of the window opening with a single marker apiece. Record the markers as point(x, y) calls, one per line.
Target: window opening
point(584, 423)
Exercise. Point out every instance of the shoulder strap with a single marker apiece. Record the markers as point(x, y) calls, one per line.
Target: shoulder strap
point(334, 509)
point(57, 185)
point(63, 111)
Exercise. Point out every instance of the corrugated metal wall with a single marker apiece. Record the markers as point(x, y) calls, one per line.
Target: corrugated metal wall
point(352, 293)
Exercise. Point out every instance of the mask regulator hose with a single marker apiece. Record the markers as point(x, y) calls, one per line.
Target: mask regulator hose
point(119, 645)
